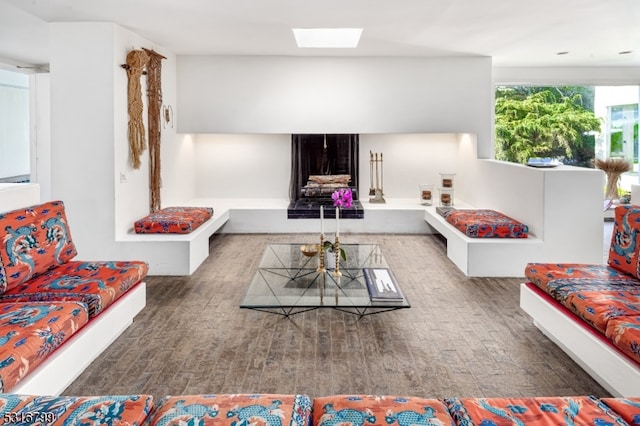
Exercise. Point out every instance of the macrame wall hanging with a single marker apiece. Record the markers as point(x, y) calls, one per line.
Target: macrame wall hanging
point(154, 89)
point(136, 62)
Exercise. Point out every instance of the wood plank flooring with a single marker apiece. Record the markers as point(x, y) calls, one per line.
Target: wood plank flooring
point(461, 337)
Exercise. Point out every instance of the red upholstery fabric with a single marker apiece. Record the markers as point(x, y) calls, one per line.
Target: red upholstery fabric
point(173, 220)
point(98, 284)
point(75, 410)
point(30, 332)
point(579, 410)
point(379, 410)
point(36, 239)
point(598, 307)
point(542, 273)
point(627, 408)
point(241, 409)
point(624, 332)
point(486, 224)
point(623, 251)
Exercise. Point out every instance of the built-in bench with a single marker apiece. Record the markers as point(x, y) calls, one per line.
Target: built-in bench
point(484, 257)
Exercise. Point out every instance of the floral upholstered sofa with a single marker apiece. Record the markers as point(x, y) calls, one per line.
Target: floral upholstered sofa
point(50, 302)
point(300, 410)
point(593, 311)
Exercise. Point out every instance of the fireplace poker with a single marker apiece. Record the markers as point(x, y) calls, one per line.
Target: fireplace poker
point(372, 190)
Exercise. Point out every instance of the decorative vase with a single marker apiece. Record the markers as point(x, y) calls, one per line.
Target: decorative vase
point(329, 260)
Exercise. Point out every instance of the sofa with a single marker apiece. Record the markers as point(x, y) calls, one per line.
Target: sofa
point(593, 310)
point(51, 302)
point(292, 410)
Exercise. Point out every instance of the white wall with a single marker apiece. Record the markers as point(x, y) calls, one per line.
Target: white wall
point(89, 144)
point(40, 134)
point(259, 166)
point(283, 95)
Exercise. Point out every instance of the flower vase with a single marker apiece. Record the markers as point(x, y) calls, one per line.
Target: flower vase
point(329, 260)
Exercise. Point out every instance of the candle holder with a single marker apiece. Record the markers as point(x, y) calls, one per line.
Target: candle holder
point(336, 249)
point(321, 249)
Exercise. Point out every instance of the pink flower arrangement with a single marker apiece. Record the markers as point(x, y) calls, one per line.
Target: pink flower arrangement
point(342, 198)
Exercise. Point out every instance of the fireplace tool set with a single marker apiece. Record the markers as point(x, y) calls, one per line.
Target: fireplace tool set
point(375, 162)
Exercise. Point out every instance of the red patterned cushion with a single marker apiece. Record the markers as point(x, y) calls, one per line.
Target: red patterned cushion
point(242, 409)
point(628, 408)
point(379, 410)
point(98, 284)
point(30, 332)
point(542, 273)
point(36, 239)
point(599, 307)
point(75, 410)
point(623, 252)
point(624, 332)
point(579, 410)
point(486, 224)
point(173, 220)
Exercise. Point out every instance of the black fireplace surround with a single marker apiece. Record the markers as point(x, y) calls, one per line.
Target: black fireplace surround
point(322, 154)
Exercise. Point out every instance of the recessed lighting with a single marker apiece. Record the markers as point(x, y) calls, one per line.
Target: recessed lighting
point(327, 37)
point(562, 53)
point(625, 52)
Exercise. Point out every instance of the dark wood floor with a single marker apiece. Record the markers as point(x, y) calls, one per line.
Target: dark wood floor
point(461, 337)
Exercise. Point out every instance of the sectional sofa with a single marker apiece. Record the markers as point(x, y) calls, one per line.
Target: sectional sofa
point(293, 410)
point(593, 310)
point(57, 313)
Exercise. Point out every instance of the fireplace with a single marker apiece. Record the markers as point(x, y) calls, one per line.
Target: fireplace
point(332, 159)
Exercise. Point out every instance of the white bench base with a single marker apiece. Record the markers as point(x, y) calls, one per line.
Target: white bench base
point(614, 371)
point(62, 367)
point(484, 257)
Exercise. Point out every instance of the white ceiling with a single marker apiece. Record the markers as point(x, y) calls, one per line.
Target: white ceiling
point(513, 32)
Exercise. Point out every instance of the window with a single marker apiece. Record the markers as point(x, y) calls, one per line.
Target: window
point(14, 127)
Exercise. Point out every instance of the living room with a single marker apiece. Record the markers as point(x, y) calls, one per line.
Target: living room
point(229, 138)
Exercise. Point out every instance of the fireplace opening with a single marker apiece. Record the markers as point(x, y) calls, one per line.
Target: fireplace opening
point(321, 163)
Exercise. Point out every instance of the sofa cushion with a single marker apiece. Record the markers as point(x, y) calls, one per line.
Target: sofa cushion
point(623, 251)
point(628, 408)
point(624, 333)
point(30, 332)
point(597, 307)
point(75, 410)
point(37, 238)
point(486, 224)
point(542, 273)
point(379, 410)
point(98, 284)
point(579, 410)
point(173, 220)
point(241, 409)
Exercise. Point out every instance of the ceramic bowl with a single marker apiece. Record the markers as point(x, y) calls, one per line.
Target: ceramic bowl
point(309, 250)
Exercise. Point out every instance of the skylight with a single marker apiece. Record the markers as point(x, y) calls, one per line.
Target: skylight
point(327, 37)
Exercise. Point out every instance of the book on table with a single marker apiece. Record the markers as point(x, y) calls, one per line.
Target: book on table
point(382, 285)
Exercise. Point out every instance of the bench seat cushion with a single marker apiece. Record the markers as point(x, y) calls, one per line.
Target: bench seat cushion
point(75, 410)
point(379, 410)
point(579, 410)
point(625, 244)
point(240, 409)
point(628, 408)
point(36, 239)
point(541, 274)
point(486, 224)
point(30, 332)
point(97, 284)
point(624, 333)
point(173, 220)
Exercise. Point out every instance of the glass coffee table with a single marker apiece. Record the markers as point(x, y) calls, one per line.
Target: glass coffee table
point(287, 282)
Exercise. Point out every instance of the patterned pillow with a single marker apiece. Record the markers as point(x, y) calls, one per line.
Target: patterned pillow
point(76, 410)
point(241, 409)
point(36, 239)
point(379, 410)
point(623, 252)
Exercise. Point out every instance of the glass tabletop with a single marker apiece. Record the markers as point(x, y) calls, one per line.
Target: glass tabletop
point(288, 282)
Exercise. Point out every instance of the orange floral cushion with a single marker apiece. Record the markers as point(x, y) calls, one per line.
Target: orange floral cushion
point(579, 410)
point(628, 408)
point(173, 220)
point(242, 409)
point(624, 333)
point(36, 239)
point(541, 274)
point(623, 251)
point(486, 224)
point(30, 332)
point(74, 410)
point(379, 410)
